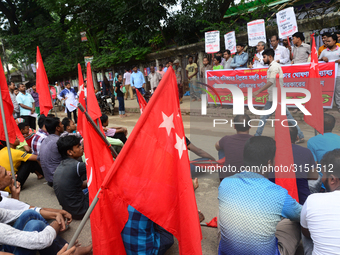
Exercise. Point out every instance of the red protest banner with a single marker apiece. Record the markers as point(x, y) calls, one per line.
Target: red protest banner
point(295, 76)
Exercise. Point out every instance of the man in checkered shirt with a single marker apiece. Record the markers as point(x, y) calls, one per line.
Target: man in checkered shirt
point(39, 136)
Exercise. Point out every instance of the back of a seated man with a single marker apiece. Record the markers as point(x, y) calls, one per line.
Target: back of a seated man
point(67, 181)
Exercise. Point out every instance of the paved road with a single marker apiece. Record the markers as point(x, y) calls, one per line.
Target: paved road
point(203, 135)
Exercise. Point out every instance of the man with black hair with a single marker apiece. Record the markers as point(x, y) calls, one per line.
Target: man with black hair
point(67, 180)
point(49, 155)
point(332, 53)
point(23, 163)
point(138, 80)
point(160, 70)
point(203, 70)
point(69, 95)
point(24, 129)
point(282, 55)
point(241, 58)
point(321, 144)
point(27, 106)
point(227, 59)
point(324, 40)
point(69, 125)
point(231, 146)
point(154, 79)
point(127, 84)
point(321, 212)
point(113, 132)
point(39, 136)
point(338, 35)
point(16, 110)
point(251, 207)
point(191, 71)
point(301, 51)
point(273, 70)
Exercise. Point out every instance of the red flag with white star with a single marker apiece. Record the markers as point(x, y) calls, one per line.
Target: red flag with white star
point(152, 174)
point(98, 162)
point(314, 105)
point(141, 101)
point(81, 100)
point(284, 151)
point(43, 88)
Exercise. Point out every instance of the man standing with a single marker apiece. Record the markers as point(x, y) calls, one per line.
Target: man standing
point(282, 55)
point(138, 81)
point(258, 58)
point(35, 96)
point(273, 70)
point(324, 40)
point(127, 84)
point(178, 73)
point(70, 95)
point(240, 59)
point(49, 156)
point(166, 67)
point(301, 51)
point(191, 71)
point(27, 106)
point(160, 70)
point(226, 59)
point(333, 53)
point(16, 111)
point(206, 67)
point(219, 54)
point(320, 213)
point(154, 79)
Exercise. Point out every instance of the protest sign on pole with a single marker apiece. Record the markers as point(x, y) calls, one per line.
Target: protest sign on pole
point(256, 32)
point(286, 22)
point(230, 42)
point(212, 42)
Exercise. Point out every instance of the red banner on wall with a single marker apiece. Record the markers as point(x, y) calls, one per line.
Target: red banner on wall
point(295, 76)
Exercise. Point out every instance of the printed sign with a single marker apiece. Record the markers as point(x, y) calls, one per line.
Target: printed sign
point(295, 76)
point(212, 42)
point(256, 32)
point(230, 42)
point(83, 36)
point(286, 22)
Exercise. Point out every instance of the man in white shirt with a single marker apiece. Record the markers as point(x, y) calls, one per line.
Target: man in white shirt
point(127, 84)
point(258, 58)
point(321, 212)
point(154, 79)
point(281, 53)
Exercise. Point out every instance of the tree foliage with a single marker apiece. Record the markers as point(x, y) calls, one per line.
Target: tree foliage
point(117, 31)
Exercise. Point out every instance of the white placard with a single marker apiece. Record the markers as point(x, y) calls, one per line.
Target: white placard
point(230, 42)
point(212, 41)
point(286, 22)
point(256, 32)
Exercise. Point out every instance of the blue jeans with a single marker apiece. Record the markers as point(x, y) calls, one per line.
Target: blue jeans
point(32, 221)
point(264, 118)
point(194, 90)
point(121, 105)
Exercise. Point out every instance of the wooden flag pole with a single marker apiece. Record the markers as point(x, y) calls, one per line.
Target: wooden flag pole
point(95, 199)
point(7, 140)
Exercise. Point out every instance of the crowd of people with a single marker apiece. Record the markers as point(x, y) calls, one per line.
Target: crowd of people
point(255, 215)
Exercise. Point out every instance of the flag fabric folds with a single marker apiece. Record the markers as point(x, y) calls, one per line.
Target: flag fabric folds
point(141, 101)
point(81, 89)
point(314, 105)
point(92, 103)
point(284, 151)
point(43, 89)
point(12, 127)
point(152, 174)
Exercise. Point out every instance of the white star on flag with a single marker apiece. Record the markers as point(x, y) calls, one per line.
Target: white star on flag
point(312, 65)
point(180, 145)
point(86, 159)
point(167, 123)
point(37, 65)
point(90, 179)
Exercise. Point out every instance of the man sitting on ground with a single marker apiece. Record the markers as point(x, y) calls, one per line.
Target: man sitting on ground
point(251, 207)
point(321, 211)
point(23, 163)
point(39, 136)
point(231, 146)
point(24, 129)
point(113, 132)
point(67, 181)
point(49, 155)
point(69, 128)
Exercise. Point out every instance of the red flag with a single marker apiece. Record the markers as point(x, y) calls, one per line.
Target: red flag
point(284, 151)
point(314, 105)
point(92, 103)
point(98, 162)
point(152, 174)
point(43, 89)
point(81, 100)
point(212, 223)
point(12, 127)
point(141, 101)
